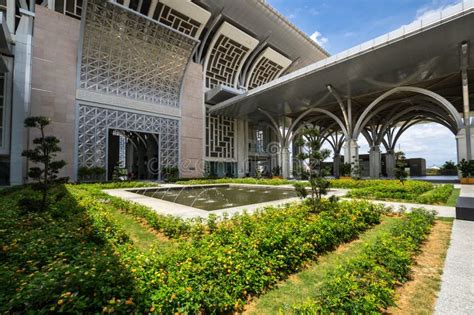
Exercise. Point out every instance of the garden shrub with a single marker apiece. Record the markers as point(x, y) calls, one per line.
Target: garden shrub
point(64, 263)
point(247, 254)
point(170, 226)
point(366, 283)
point(408, 191)
point(85, 262)
point(439, 195)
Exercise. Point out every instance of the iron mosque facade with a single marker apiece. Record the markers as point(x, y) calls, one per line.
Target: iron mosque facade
point(130, 82)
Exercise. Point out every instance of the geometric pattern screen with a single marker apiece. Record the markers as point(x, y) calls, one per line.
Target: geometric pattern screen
point(127, 55)
point(224, 62)
point(95, 122)
point(220, 137)
point(176, 20)
point(264, 72)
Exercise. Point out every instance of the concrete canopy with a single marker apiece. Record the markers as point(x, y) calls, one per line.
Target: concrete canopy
point(425, 54)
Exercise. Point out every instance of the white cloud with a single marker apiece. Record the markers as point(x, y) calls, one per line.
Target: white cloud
point(319, 38)
point(434, 8)
point(291, 16)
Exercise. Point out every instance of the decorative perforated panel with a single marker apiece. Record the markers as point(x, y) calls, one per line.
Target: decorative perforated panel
point(224, 62)
point(125, 54)
point(178, 21)
point(94, 123)
point(220, 137)
point(264, 72)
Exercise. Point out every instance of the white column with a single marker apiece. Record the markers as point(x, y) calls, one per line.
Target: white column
point(285, 162)
point(242, 148)
point(20, 99)
point(374, 161)
point(351, 151)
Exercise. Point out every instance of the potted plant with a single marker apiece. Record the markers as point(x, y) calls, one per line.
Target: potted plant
point(467, 171)
point(345, 170)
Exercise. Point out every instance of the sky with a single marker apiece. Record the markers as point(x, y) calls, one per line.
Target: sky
point(342, 24)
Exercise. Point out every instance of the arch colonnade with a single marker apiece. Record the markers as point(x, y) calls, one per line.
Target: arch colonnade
point(381, 123)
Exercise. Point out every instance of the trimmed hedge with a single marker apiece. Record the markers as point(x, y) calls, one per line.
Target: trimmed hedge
point(61, 260)
point(367, 282)
point(408, 191)
point(77, 258)
point(246, 255)
point(170, 226)
point(439, 195)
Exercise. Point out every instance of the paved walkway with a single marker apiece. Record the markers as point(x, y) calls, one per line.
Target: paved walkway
point(457, 284)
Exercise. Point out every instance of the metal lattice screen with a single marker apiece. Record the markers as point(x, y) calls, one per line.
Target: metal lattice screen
point(127, 55)
point(220, 137)
point(94, 123)
point(265, 71)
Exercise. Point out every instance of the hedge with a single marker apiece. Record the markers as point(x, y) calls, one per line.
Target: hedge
point(408, 191)
point(76, 258)
point(61, 260)
point(170, 226)
point(245, 256)
point(439, 195)
point(367, 282)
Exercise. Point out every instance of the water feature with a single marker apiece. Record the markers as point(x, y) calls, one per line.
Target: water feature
point(218, 197)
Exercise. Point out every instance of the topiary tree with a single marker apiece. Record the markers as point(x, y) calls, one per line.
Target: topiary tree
point(400, 164)
point(310, 144)
point(46, 169)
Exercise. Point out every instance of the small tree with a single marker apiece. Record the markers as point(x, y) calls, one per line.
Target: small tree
point(43, 154)
point(400, 164)
point(310, 150)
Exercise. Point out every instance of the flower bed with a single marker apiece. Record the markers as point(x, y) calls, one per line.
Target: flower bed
point(367, 282)
point(391, 190)
point(439, 195)
point(88, 264)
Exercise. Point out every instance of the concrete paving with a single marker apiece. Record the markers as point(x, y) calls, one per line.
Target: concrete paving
point(457, 283)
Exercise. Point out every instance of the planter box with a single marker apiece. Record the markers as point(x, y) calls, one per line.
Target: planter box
point(345, 177)
point(467, 180)
point(277, 177)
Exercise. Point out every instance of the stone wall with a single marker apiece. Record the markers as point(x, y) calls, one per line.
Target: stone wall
point(53, 85)
point(192, 122)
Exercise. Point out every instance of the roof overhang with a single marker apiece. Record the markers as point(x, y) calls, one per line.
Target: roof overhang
point(425, 51)
point(221, 93)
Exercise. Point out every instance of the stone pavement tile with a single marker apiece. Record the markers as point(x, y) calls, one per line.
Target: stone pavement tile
point(457, 284)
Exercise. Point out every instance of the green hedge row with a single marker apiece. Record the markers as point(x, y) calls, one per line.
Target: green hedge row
point(408, 191)
point(170, 226)
point(61, 260)
point(439, 195)
point(245, 255)
point(241, 256)
point(76, 258)
point(366, 283)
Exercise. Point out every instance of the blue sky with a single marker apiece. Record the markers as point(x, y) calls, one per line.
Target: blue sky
point(342, 24)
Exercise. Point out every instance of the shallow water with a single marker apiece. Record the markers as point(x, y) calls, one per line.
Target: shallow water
point(221, 197)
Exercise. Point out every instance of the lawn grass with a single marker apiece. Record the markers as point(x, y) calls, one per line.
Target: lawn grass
point(418, 296)
point(453, 198)
point(142, 236)
point(306, 283)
